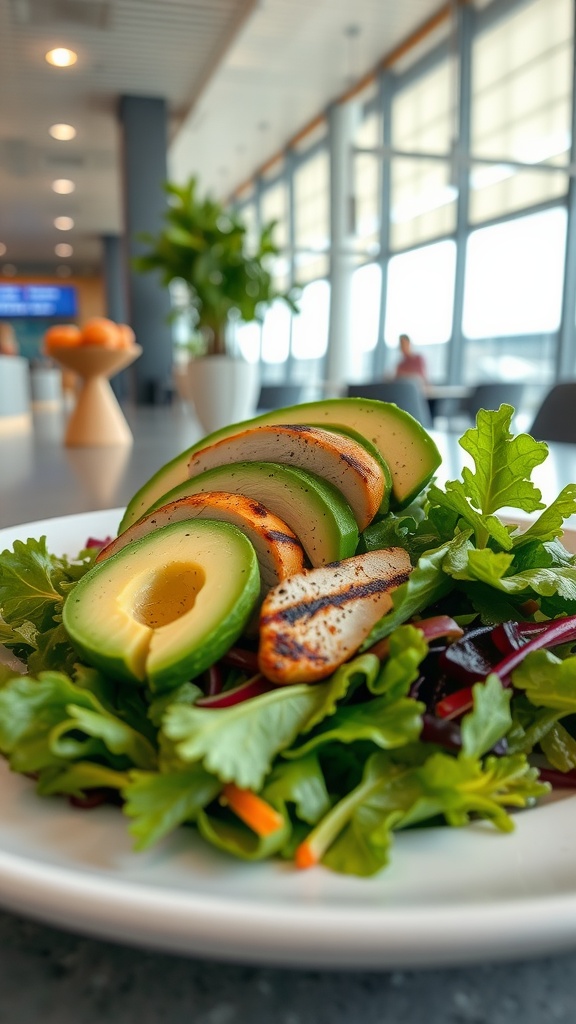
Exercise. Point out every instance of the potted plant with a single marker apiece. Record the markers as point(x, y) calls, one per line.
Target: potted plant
point(203, 249)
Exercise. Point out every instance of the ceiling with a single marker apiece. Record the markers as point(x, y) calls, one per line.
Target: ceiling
point(240, 77)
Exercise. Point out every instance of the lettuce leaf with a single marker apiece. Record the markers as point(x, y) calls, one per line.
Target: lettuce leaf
point(158, 802)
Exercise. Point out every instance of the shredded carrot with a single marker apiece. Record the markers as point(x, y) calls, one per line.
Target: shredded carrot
point(305, 856)
point(456, 704)
point(252, 809)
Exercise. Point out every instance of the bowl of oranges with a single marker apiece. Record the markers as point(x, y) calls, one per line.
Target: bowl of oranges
point(95, 352)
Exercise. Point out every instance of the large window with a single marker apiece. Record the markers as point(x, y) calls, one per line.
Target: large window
point(423, 196)
point(312, 216)
point(367, 178)
point(310, 325)
point(513, 298)
point(514, 275)
point(420, 301)
point(364, 319)
point(509, 244)
point(274, 207)
point(521, 102)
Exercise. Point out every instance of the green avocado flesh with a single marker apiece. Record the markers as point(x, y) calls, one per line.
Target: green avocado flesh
point(166, 606)
point(311, 507)
point(402, 442)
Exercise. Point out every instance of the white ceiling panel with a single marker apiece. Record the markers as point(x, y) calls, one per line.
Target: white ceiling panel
point(240, 77)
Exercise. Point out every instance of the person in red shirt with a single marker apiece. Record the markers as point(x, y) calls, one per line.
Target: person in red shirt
point(412, 364)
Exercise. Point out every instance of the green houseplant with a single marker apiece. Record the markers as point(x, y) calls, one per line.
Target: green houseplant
point(205, 246)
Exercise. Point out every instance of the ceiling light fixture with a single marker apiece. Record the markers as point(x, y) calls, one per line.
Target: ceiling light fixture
point(64, 223)
point(61, 57)
point(2, 248)
point(63, 250)
point(62, 132)
point(63, 186)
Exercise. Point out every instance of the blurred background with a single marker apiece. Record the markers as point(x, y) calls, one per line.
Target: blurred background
point(417, 157)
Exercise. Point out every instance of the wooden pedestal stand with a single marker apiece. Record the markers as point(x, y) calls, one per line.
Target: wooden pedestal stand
point(97, 418)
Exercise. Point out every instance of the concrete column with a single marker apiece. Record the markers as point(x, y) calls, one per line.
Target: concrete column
point(116, 303)
point(114, 281)
point(144, 171)
point(342, 121)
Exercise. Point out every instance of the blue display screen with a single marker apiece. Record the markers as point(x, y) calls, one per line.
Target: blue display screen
point(44, 300)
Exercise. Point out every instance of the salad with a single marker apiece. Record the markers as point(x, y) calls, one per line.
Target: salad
point(453, 699)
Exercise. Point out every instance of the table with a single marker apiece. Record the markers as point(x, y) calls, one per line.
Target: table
point(438, 394)
point(64, 978)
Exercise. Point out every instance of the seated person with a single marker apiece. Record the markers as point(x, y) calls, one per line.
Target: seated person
point(411, 364)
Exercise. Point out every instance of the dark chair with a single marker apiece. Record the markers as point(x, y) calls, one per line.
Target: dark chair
point(556, 417)
point(491, 395)
point(405, 393)
point(276, 396)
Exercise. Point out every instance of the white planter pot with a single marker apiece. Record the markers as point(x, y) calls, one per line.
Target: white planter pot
point(223, 390)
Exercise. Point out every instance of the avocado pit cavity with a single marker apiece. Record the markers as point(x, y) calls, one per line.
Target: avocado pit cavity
point(167, 593)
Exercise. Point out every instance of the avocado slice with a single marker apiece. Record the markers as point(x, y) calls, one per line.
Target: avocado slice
point(166, 606)
point(332, 456)
point(403, 443)
point(309, 505)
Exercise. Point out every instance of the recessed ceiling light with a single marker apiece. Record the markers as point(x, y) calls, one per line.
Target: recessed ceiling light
point(64, 223)
point(63, 186)
point(9, 270)
point(2, 248)
point(61, 57)
point(64, 271)
point(63, 250)
point(62, 132)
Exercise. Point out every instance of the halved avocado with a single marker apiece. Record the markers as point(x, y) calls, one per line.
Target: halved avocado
point(277, 548)
point(311, 507)
point(403, 443)
point(167, 606)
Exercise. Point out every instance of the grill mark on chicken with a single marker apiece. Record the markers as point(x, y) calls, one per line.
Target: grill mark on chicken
point(288, 647)
point(258, 509)
point(283, 538)
point(361, 468)
point(307, 608)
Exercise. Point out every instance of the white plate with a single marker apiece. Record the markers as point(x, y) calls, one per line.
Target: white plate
point(449, 896)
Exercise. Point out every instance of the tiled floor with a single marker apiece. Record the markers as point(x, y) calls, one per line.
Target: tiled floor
point(41, 477)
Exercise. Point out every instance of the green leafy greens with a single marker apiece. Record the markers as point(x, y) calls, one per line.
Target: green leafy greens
point(344, 762)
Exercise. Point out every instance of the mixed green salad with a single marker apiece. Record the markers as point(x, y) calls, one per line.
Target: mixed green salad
point(459, 704)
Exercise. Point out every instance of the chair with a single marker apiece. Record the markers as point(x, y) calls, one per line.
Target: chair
point(491, 395)
point(405, 393)
point(276, 396)
point(556, 417)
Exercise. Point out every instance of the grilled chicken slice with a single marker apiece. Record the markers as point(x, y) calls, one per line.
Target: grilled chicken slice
point(315, 621)
point(278, 549)
point(341, 460)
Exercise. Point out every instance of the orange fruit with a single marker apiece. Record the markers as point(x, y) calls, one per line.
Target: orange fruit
point(61, 336)
point(126, 335)
point(100, 331)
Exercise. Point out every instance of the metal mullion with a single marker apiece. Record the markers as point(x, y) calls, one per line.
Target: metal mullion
point(456, 346)
point(289, 166)
point(566, 348)
point(379, 357)
point(389, 153)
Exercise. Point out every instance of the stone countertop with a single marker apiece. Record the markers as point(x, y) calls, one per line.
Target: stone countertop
point(59, 978)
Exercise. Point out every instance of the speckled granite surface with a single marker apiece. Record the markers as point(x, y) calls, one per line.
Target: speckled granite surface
point(55, 977)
